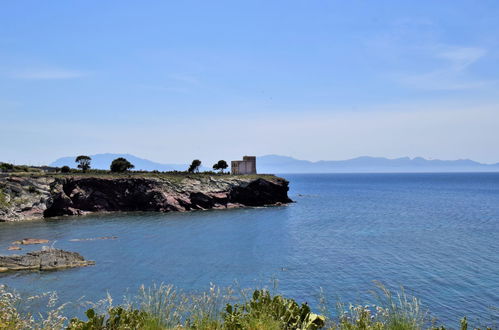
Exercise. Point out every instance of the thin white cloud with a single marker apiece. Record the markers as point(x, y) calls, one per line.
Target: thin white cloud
point(47, 74)
point(452, 74)
point(461, 57)
point(443, 80)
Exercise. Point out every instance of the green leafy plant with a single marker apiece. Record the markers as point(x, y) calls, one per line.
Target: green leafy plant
point(118, 318)
point(284, 312)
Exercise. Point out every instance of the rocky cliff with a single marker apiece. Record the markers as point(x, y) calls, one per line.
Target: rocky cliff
point(35, 197)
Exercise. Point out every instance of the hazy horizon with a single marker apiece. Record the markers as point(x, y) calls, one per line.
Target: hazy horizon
point(208, 164)
point(174, 81)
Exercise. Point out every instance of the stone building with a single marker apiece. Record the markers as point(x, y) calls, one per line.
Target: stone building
point(245, 166)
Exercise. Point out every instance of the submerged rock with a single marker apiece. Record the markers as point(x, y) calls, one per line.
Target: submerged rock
point(30, 241)
point(46, 259)
point(93, 238)
point(14, 248)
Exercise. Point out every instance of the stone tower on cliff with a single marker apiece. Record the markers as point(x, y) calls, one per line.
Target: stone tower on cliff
point(245, 166)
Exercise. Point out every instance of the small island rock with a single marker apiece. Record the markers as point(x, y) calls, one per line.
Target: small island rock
point(46, 259)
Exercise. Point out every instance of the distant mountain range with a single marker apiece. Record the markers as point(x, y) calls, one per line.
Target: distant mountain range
point(283, 164)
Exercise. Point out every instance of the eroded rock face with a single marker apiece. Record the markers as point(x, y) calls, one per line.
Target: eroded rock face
point(23, 198)
point(82, 195)
point(259, 192)
point(48, 259)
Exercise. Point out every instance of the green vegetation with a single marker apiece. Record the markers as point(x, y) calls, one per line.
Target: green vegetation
point(6, 167)
point(221, 165)
point(120, 165)
point(65, 169)
point(83, 162)
point(164, 307)
point(194, 167)
point(3, 200)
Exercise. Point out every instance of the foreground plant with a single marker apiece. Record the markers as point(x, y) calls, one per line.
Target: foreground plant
point(276, 311)
point(164, 307)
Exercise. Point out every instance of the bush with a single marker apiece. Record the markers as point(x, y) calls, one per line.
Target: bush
point(281, 312)
point(65, 169)
point(121, 165)
point(6, 167)
point(119, 318)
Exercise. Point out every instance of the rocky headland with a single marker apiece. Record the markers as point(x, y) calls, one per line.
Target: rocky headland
point(30, 197)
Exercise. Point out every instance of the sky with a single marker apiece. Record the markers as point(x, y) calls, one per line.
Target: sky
point(171, 81)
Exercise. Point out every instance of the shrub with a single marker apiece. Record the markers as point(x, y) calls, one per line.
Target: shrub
point(280, 312)
point(121, 165)
point(65, 169)
point(6, 167)
point(119, 318)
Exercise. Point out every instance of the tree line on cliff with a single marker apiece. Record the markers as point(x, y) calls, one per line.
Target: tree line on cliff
point(121, 165)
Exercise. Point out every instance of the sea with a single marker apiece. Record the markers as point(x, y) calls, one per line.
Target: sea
point(434, 236)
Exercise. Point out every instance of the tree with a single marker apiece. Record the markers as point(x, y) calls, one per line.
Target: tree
point(121, 165)
point(65, 169)
point(194, 167)
point(221, 165)
point(83, 162)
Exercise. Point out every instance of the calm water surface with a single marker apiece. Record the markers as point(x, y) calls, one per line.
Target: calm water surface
point(435, 234)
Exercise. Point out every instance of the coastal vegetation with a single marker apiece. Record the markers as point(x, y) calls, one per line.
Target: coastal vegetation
point(165, 307)
point(221, 165)
point(121, 165)
point(83, 162)
point(194, 167)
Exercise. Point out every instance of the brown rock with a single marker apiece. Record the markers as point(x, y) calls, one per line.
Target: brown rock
point(13, 248)
point(29, 241)
point(46, 259)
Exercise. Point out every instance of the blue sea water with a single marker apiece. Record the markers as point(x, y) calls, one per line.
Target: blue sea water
point(437, 235)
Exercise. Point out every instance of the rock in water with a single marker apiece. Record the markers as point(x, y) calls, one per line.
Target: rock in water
point(29, 241)
point(48, 259)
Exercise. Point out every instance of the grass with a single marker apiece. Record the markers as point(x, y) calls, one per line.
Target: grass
point(165, 307)
point(140, 174)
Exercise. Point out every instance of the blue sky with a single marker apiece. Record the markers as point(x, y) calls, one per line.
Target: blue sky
point(177, 80)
